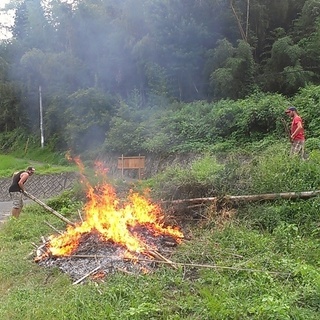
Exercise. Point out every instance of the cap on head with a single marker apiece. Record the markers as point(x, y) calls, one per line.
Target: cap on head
point(291, 109)
point(32, 169)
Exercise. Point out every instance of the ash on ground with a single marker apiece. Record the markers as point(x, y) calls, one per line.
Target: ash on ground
point(107, 257)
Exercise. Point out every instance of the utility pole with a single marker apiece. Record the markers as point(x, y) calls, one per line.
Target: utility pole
point(41, 119)
point(247, 23)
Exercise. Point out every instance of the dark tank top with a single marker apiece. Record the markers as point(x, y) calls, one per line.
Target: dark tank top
point(15, 186)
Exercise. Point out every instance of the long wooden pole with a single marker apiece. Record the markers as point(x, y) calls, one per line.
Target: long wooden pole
point(41, 118)
point(253, 197)
point(42, 204)
point(286, 129)
point(182, 264)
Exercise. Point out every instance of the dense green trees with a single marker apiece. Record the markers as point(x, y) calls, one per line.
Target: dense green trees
point(233, 74)
point(159, 51)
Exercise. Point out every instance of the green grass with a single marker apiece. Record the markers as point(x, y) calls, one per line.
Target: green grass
point(264, 257)
point(29, 291)
point(10, 164)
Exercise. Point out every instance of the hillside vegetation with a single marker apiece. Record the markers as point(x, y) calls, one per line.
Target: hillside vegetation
point(251, 124)
point(153, 74)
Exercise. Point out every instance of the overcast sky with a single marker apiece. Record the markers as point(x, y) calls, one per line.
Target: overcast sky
point(4, 20)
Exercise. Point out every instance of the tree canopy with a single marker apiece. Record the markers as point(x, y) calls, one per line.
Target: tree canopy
point(87, 53)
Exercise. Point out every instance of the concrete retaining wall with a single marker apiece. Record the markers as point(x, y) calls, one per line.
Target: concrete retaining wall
point(42, 187)
point(47, 186)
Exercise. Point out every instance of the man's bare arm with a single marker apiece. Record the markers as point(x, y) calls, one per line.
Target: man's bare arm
point(23, 178)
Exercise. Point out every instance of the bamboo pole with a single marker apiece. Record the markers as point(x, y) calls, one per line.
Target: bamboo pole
point(209, 266)
point(182, 264)
point(253, 197)
point(42, 204)
point(286, 128)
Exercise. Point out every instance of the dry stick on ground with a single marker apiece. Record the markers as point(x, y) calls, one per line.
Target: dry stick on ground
point(195, 206)
point(38, 248)
point(95, 270)
point(157, 255)
point(125, 271)
point(84, 256)
point(80, 216)
point(195, 265)
point(87, 275)
point(52, 227)
point(229, 253)
point(214, 266)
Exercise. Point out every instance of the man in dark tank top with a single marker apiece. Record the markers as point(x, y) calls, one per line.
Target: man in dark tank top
point(17, 188)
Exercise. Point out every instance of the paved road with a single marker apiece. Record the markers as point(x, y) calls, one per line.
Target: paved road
point(5, 209)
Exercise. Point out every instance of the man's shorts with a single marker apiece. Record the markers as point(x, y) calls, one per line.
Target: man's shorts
point(297, 147)
point(16, 198)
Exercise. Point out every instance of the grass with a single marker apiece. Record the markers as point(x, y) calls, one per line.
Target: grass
point(264, 260)
point(29, 291)
point(10, 164)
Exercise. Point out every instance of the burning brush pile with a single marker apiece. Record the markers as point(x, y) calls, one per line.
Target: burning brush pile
point(128, 236)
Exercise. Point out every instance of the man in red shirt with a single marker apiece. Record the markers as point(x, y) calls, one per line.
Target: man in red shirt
point(297, 133)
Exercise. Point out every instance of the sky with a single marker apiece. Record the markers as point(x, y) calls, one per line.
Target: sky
point(5, 19)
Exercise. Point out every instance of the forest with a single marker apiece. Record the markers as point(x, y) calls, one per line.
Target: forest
point(154, 75)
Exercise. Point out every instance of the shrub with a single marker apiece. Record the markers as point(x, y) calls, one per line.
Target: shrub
point(276, 171)
point(194, 180)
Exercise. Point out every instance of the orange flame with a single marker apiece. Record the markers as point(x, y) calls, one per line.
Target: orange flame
point(114, 220)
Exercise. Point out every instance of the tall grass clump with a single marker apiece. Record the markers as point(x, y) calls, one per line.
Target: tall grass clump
point(276, 171)
point(21, 145)
point(193, 180)
point(304, 214)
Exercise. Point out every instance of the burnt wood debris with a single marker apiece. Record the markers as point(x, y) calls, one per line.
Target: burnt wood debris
point(94, 257)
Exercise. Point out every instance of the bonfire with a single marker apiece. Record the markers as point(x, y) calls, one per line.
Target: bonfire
point(112, 235)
